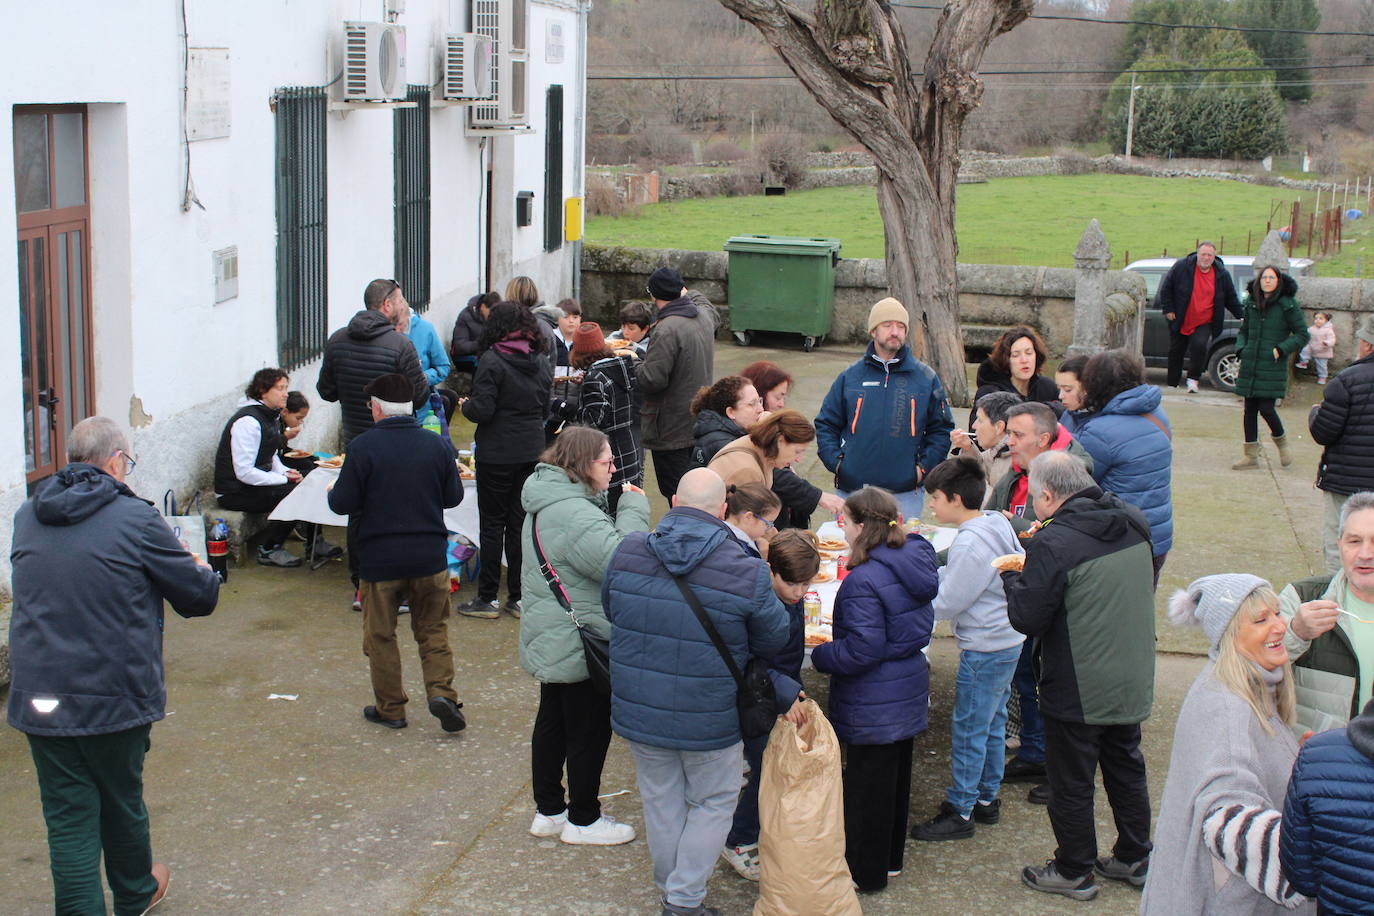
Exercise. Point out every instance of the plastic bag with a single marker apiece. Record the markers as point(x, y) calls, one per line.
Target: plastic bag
point(802, 871)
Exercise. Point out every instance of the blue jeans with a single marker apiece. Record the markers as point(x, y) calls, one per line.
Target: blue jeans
point(744, 831)
point(909, 503)
point(1032, 726)
point(978, 731)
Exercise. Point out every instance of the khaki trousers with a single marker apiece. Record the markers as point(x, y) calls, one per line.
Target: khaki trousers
point(429, 609)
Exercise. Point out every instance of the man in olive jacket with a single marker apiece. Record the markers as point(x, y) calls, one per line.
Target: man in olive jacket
point(680, 361)
point(1087, 595)
point(93, 564)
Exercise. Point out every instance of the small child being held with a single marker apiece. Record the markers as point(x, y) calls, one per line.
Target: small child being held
point(971, 598)
point(1321, 345)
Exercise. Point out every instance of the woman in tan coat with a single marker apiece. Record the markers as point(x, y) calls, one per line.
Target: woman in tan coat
point(775, 442)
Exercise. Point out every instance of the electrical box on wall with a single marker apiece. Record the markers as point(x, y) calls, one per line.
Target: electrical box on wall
point(524, 208)
point(225, 263)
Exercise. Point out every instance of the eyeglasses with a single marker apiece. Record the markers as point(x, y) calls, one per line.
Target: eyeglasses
point(771, 526)
point(609, 462)
point(129, 462)
point(756, 402)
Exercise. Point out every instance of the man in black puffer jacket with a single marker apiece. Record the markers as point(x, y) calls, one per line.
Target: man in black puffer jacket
point(1195, 296)
point(1344, 423)
point(368, 347)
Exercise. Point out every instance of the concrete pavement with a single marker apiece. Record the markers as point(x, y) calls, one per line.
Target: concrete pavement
point(300, 807)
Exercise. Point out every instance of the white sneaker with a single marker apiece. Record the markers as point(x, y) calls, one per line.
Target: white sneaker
point(743, 859)
point(1192, 386)
point(543, 825)
point(604, 831)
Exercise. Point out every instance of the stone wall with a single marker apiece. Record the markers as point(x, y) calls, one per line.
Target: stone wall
point(992, 297)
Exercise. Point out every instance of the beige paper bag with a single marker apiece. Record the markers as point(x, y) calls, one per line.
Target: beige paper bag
point(801, 819)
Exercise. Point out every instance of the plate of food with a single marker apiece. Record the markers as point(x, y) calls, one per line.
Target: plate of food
point(816, 636)
point(618, 343)
point(336, 462)
point(297, 453)
point(823, 576)
point(1009, 562)
point(465, 472)
point(831, 545)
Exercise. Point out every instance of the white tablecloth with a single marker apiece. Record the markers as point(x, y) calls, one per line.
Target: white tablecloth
point(940, 539)
point(309, 502)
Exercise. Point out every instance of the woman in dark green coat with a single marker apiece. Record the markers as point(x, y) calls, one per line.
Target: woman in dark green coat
point(1272, 330)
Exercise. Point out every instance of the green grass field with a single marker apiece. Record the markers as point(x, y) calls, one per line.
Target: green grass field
point(1005, 221)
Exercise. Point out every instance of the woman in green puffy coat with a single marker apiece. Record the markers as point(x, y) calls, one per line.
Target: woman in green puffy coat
point(566, 509)
point(1272, 330)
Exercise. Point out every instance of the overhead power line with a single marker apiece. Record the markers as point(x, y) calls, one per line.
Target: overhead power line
point(674, 77)
point(1158, 25)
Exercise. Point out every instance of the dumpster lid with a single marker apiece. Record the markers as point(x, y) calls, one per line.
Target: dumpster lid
point(783, 244)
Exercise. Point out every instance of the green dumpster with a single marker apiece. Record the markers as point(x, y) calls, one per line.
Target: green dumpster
point(781, 283)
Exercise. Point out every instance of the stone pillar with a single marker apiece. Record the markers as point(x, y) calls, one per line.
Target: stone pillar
point(1091, 259)
point(1271, 253)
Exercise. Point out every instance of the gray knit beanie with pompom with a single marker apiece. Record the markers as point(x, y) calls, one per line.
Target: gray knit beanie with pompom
point(1211, 602)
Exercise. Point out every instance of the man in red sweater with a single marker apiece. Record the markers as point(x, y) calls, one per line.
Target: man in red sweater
point(1194, 296)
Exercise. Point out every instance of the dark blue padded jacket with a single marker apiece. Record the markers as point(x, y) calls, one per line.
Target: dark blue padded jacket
point(880, 681)
point(93, 564)
point(880, 421)
point(1326, 846)
point(1133, 456)
point(669, 686)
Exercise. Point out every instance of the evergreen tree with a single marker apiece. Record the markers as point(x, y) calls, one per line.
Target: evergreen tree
point(1286, 53)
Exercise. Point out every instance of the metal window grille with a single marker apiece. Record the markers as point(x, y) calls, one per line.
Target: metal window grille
point(553, 170)
point(412, 198)
point(302, 225)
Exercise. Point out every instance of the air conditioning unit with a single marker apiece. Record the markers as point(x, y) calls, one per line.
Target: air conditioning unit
point(374, 62)
point(467, 68)
point(506, 23)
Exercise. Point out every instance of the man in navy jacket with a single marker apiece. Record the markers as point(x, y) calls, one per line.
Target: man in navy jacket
point(93, 564)
point(885, 421)
point(672, 695)
point(1324, 845)
point(395, 485)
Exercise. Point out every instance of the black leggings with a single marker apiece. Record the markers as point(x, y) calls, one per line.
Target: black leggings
point(1261, 407)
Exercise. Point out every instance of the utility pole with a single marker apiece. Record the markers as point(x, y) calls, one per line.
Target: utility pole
point(1130, 119)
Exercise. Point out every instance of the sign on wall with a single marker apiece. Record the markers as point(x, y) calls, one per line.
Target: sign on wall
point(207, 93)
point(553, 42)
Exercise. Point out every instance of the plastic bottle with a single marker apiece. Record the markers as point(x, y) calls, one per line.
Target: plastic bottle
point(431, 422)
point(811, 608)
point(217, 549)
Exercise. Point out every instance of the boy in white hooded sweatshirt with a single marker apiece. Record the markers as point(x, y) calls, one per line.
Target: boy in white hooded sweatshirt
point(971, 598)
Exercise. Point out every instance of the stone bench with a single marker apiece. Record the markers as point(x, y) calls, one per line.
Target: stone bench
point(243, 526)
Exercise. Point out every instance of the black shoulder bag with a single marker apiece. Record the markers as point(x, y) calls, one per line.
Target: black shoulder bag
point(596, 649)
point(754, 699)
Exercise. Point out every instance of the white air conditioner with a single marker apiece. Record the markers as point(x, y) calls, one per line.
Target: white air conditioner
point(467, 66)
point(505, 22)
point(374, 62)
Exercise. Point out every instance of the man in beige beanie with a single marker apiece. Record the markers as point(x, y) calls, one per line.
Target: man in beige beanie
point(885, 421)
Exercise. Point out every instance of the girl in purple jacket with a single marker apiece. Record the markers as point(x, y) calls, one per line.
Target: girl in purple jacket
point(880, 681)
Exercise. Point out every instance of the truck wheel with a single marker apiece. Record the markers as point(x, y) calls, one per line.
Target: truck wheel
point(743, 338)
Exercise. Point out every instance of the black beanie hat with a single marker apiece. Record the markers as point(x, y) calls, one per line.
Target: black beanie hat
point(666, 284)
point(391, 387)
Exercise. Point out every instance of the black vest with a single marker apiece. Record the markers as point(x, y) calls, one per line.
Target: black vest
point(271, 442)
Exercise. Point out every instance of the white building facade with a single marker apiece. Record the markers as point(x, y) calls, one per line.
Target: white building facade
point(194, 199)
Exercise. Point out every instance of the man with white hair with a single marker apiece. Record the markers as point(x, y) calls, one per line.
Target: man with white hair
point(395, 485)
point(93, 564)
point(1329, 642)
point(1087, 595)
point(672, 695)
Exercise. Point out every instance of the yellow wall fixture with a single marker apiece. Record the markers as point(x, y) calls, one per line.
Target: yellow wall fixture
point(572, 219)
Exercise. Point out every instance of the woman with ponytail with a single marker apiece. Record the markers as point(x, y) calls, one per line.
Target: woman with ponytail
point(880, 681)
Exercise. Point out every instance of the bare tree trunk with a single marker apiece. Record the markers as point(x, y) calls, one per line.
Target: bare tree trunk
point(851, 55)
